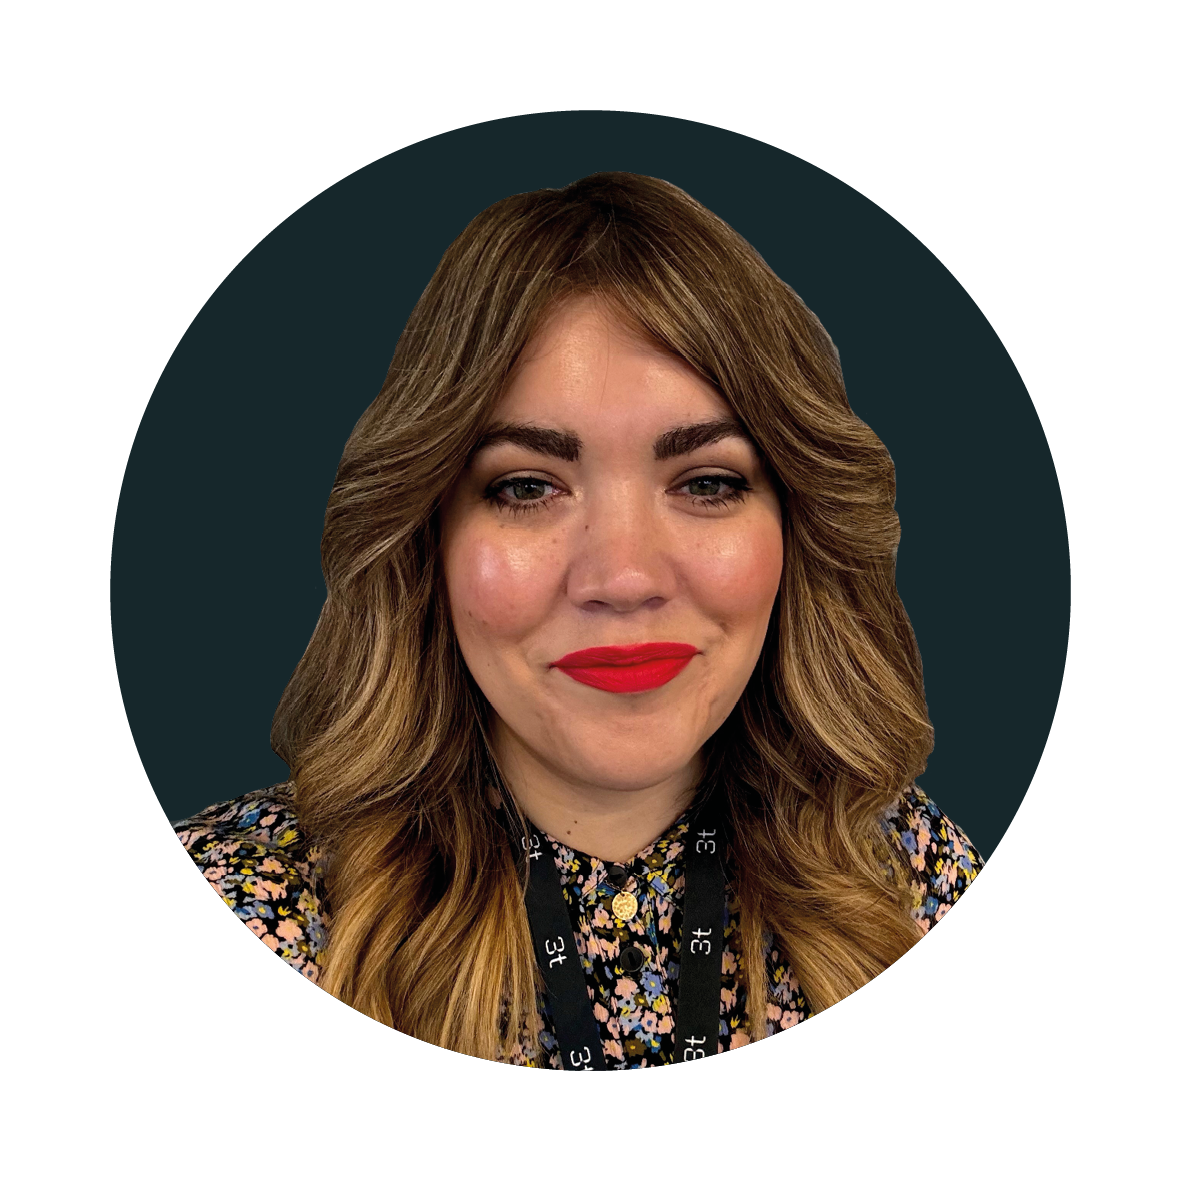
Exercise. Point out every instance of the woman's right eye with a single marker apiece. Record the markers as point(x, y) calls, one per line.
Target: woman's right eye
point(520, 493)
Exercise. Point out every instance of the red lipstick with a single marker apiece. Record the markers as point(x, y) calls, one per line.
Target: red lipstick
point(632, 668)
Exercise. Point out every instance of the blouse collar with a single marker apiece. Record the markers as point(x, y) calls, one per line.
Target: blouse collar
point(659, 865)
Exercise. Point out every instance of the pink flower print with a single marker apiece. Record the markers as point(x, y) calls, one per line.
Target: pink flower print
point(790, 1018)
point(774, 1012)
point(270, 865)
point(739, 1038)
point(289, 930)
point(625, 987)
point(729, 963)
point(943, 909)
point(271, 942)
point(215, 873)
point(728, 999)
point(664, 1025)
point(600, 1012)
point(601, 918)
point(257, 926)
point(649, 1022)
point(613, 1049)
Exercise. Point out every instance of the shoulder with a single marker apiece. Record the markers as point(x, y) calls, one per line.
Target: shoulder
point(943, 862)
point(253, 854)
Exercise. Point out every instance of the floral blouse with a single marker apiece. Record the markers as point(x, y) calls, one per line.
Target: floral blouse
point(251, 852)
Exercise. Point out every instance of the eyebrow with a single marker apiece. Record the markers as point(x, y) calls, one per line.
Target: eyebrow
point(683, 439)
point(560, 444)
point(566, 445)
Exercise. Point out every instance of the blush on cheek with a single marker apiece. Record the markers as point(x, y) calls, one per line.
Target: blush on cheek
point(496, 589)
point(740, 574)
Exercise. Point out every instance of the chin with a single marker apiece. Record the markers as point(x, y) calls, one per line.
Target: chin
point(630, 766)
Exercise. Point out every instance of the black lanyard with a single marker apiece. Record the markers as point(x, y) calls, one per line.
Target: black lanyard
point(700, 982)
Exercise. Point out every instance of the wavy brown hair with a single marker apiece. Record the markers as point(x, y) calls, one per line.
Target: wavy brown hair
point(386, 733)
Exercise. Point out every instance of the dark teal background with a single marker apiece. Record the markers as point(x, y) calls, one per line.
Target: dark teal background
point(215, 576)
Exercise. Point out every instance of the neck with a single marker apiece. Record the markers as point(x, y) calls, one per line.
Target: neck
point(612, 823)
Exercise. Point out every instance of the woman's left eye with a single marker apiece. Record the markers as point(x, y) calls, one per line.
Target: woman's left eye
point(711, 490)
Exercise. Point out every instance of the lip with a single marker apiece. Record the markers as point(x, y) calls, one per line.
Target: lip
point(628, 668)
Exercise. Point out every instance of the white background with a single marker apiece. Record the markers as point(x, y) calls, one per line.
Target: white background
point(149, 147)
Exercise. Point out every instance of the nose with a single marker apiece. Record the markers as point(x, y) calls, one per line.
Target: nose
point(621, 560)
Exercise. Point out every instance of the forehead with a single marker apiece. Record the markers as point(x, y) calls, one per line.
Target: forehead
point(587, 366)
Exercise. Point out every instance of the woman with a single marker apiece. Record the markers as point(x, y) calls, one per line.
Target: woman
point(612, 660)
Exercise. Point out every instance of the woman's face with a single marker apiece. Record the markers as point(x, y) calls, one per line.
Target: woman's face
point(615, 502)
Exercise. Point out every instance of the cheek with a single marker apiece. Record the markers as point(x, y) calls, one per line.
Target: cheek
point(736, 576)
point(499, 589)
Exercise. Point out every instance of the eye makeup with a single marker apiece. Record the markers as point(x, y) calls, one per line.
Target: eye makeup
point(520, 494)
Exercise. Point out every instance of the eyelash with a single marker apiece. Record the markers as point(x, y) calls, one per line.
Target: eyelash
point(737, 484)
